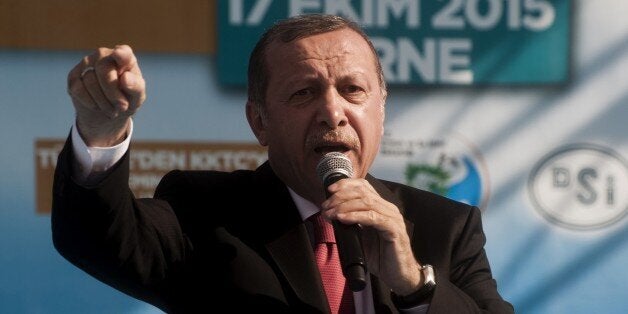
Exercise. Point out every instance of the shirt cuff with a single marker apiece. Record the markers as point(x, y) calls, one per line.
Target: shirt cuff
point(419, 309)
point(92, 162)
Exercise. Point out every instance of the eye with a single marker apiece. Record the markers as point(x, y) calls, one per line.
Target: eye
point(301, 96)
point(302, 92)
point(354, 93)
point(352, 89)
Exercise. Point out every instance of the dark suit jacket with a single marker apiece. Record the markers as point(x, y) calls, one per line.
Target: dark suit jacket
point(213, 240)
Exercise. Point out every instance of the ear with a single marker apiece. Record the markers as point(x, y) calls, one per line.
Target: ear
point(256, 122)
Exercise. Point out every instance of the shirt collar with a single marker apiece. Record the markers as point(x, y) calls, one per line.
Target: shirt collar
point(305, 207)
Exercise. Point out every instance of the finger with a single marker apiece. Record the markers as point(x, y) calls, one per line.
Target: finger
point(387, 226)
point(131, 80)
point(363, 217)
point(371, 203)
point(80, 97)
point(349, 189)
point(108, 80)
point(350, 205)
point(90, 82)
point(134, 87)
point(75, 74)
point(125, 59)
point(350, 183)
point(93, 87)
point(82, 100)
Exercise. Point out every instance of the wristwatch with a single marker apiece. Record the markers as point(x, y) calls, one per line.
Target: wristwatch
point(417, 297)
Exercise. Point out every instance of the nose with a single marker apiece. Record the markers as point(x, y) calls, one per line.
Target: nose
point(331, 111)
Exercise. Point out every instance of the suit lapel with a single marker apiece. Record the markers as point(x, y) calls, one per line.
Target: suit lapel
point(286, 239)
point(295, 258)
point(381, 296)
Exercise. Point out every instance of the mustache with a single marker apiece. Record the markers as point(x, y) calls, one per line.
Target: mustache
point(321, 138)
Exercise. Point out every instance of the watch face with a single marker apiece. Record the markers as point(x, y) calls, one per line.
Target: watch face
point(421, 294)
point(428, 274)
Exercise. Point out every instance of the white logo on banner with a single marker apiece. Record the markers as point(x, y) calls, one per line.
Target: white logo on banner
point(448, 165)
point(580, 186)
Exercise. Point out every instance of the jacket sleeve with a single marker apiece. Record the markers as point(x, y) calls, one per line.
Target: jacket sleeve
point(468, 286)
point(130, 244)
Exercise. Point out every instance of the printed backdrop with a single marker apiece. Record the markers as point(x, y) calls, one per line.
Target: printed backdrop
point(534, 132)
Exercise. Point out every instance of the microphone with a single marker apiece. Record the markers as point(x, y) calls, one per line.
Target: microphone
point(332, 167)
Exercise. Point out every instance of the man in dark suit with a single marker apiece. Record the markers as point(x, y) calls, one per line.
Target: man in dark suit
point(243, 241)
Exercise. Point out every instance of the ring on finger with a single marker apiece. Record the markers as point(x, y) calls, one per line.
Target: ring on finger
point(87, 69)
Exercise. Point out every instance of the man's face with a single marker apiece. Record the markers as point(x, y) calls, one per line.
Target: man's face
point(323, 95)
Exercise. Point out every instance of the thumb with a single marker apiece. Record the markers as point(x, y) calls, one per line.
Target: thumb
point(125, 59)
point(134, 87)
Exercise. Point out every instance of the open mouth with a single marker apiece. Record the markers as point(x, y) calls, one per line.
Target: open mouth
point(337, 147)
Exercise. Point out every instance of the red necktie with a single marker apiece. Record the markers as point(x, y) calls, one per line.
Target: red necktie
point(339, 296)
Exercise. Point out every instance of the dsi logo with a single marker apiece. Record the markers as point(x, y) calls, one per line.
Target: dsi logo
point(580, 186)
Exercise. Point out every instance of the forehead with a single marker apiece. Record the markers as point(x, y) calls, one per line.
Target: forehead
point(340, 45)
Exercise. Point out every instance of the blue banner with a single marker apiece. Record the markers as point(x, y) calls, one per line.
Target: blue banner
point(449, 42)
